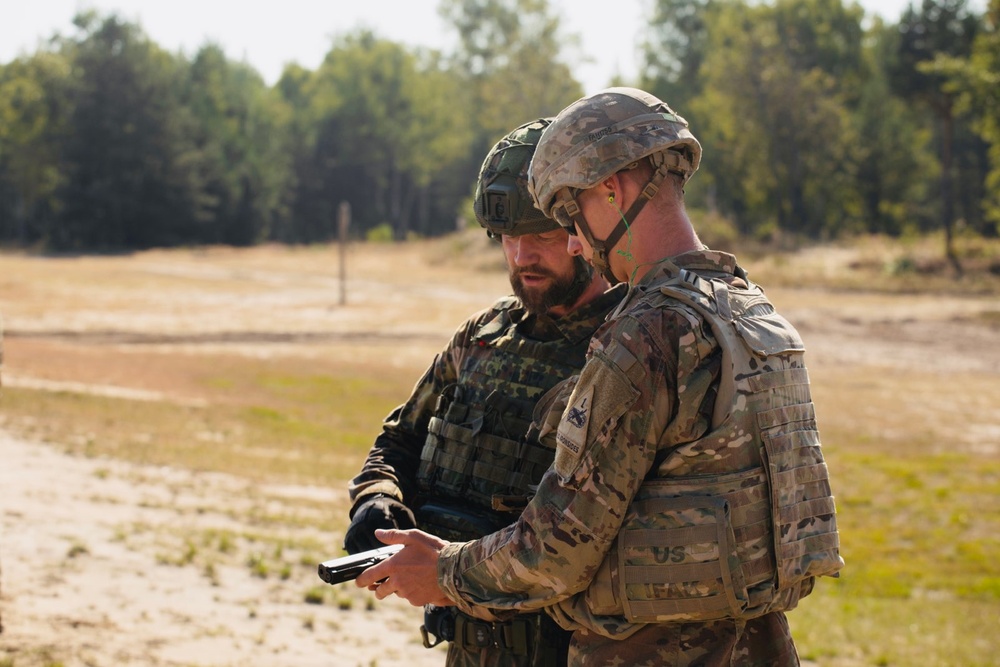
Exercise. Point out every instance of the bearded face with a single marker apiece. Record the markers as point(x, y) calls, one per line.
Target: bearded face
point(542, 288)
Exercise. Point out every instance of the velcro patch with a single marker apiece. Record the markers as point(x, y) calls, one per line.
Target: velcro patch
point(602, 396)
point(573, 431)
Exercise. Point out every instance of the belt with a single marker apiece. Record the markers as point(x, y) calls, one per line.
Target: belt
point(447, 623)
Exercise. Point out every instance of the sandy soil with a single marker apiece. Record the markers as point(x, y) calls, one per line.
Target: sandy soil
point(84, 582)
point(84, 578)
point(76, 591)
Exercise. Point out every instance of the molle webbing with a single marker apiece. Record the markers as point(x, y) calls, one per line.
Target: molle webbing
point(475, 448)
point(806, 539)
point(742, 519)
point(697, 548)
point(500, 464)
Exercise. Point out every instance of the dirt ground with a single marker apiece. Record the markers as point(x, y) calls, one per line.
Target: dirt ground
point(79, 589)
point(114, 604)
point(76, 591)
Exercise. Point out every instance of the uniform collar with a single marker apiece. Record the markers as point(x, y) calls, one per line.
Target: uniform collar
point(705, 259)
point(575, 326)
point(694, 260)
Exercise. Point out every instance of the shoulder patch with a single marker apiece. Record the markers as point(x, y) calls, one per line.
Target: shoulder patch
point(603, 395)
point(573, 434)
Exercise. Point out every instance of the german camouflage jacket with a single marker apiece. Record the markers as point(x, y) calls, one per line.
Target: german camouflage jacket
point(493, 370)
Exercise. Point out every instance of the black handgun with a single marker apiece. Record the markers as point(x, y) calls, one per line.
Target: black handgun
point(348, 568)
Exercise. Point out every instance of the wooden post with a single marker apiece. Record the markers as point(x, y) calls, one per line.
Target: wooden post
point(344, 221)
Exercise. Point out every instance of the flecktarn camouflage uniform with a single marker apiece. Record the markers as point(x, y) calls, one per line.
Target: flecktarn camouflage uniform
point(458, 444)
point(688, 504)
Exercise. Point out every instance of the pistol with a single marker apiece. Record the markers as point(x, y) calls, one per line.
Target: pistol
point(339, 570)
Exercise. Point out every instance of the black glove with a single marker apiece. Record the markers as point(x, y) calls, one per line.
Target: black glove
point(375, 512)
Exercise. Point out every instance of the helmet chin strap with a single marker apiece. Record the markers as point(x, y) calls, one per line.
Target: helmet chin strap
point(600, 259)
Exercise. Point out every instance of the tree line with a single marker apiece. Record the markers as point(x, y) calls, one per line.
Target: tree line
point(817, 121)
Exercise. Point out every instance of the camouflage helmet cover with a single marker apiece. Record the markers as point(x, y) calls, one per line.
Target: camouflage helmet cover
point(502, 202)
point(601, 134)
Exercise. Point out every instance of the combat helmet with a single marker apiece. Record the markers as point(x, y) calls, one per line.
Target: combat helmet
point(598, 136)
point(502, 202)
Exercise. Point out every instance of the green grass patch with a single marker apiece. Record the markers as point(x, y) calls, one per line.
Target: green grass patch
point(834, 628)
point(296, 425)
point(918, 502)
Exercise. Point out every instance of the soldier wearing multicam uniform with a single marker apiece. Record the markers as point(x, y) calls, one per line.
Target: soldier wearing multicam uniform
point(452, 459)
point(688, 506)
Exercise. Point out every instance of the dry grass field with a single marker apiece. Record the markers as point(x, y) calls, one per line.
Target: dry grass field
point(177, 429)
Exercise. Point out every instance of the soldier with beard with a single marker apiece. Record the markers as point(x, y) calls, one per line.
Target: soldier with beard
point(452, 460)
point(689, 506)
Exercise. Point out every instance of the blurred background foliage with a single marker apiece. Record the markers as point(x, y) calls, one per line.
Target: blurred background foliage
point(819, 122)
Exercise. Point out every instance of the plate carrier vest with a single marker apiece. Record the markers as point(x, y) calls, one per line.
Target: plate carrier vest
point(477, 470)
point(738, 523)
